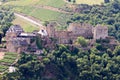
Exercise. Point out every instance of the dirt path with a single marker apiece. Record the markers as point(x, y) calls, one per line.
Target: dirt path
point(2, 55)
point(30, 19)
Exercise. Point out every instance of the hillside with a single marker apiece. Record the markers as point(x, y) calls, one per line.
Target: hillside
point(53, 3)
point(44, 10)
point(36, 8)
point(90, 2)
point(86, 45)
point(56, 10)
point(47, 10)
point(27, 26)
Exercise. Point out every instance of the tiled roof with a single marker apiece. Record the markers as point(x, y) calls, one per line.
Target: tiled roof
point(16, 29)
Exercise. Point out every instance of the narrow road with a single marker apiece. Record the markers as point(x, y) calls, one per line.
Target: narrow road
point(27, 18)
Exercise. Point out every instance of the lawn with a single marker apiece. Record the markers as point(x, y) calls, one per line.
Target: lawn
point(90, 2)
point(27, 26)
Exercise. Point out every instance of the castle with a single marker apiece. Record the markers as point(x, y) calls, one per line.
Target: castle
point(19, 41)
point(75, 30)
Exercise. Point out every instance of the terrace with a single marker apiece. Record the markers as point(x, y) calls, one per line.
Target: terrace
point(6, 60)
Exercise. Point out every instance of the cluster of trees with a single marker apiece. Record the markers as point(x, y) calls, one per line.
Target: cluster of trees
point(73, 1)
point(82, 41)
point(6, 17)
point(106, 1)
point(69, 63)
point(106, 14)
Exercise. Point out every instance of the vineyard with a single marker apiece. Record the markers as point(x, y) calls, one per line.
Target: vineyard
point(8, 60)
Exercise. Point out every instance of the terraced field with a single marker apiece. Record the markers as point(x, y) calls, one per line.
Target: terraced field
point(8, 59)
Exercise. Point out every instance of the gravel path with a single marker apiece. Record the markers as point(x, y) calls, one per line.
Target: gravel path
point(30, 19)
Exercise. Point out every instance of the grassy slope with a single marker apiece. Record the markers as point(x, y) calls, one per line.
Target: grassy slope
point(54, 3)
point(28, 7)
point(90, 2)
point(39, 13)
point(27, 26)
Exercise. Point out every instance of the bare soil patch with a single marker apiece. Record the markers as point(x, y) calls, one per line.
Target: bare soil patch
point(2, 55)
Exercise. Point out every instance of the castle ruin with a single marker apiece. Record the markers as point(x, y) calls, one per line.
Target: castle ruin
point(19, 41)
point(100, 32)
point(75, 30)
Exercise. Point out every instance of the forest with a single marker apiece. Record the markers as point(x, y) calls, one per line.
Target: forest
point(6, 17)
point(69, 63)
point(107, 14)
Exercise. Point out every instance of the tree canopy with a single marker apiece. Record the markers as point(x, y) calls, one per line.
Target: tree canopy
point(69, 63)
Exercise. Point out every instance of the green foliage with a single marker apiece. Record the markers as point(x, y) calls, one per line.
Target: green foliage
point(28, 67)
point(1, 35)
point(117, 51)
point(33, 8)
point(6, 16)
point(107, 14)
point(106, 1)
point(73, 1)
point(39, 42)
point(102, 40)
point(82, 41)
point(9, 58)
point(68, 62)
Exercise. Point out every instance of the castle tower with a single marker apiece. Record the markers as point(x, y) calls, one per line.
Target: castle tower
point(51, 29)
point(100, 32)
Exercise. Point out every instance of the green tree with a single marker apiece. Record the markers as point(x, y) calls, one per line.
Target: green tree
point(1, 35)
point(117, 50)
point(82, 41)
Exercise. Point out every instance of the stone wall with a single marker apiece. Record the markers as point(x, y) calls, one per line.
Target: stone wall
point(81, 29)
point(10, 35)
point(100, 32)
point(64, 37)
point(75, 30)
point(51, 29)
